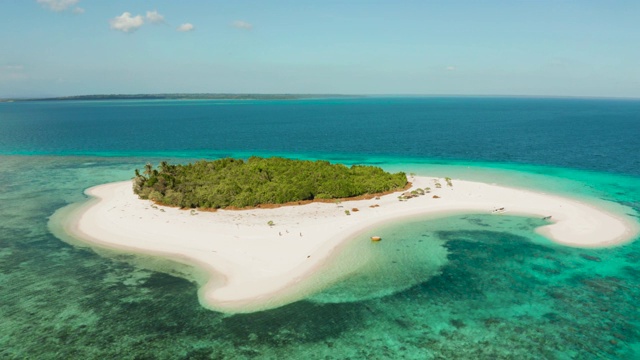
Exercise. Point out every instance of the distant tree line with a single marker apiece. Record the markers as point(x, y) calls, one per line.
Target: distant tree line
point(204, 96)
point(236, 183)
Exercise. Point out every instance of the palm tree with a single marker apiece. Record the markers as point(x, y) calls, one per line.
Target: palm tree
point(138, 182)
point(164, 167)
point(148, 169)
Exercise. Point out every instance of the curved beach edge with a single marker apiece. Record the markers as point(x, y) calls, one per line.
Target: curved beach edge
point(242, 264)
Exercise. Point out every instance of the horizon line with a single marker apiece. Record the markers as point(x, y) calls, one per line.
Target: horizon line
point(304, 95)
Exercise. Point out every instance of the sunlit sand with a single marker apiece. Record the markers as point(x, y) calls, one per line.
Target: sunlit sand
point(255, 266)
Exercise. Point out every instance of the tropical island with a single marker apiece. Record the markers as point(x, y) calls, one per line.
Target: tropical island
point(235, 183)
point(185, 96)
point(261, 258)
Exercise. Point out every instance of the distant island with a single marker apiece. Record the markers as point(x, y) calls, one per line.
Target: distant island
point(236, 183)
point(180, 96)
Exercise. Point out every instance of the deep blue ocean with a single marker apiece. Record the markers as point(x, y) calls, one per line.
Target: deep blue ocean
point(503, 293)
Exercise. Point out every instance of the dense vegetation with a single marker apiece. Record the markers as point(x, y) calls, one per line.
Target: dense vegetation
point(179, 96)
point(236, 183)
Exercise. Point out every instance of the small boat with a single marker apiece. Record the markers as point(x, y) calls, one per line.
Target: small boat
point(376, 238)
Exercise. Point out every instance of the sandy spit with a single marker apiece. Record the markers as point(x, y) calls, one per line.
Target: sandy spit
point(253, 266)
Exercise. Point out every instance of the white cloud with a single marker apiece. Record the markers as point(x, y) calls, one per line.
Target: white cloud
point(185, 27)
point(14, 76)
point(126, 22)
point(239, 24)
point(78, 10)
point(57, 5)
point(13, 72)
point(450, 68)
point(13, 67)
point(155, 17)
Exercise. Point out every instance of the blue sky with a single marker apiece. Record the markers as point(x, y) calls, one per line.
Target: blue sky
point(541, 48)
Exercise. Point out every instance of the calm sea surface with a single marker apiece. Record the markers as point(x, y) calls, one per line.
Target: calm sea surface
point(465, 287)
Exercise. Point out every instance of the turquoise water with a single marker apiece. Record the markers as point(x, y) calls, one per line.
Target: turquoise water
point(590, 134)
point(502, 291)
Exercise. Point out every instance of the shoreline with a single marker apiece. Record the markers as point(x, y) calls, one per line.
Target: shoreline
point(241, 264)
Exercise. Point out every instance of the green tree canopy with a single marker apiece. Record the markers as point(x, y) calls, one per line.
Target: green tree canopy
point(237, 183)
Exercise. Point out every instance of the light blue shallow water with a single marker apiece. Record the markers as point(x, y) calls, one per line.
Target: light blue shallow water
point(501, 292)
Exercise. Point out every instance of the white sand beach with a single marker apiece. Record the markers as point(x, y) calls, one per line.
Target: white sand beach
point(264, 266)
